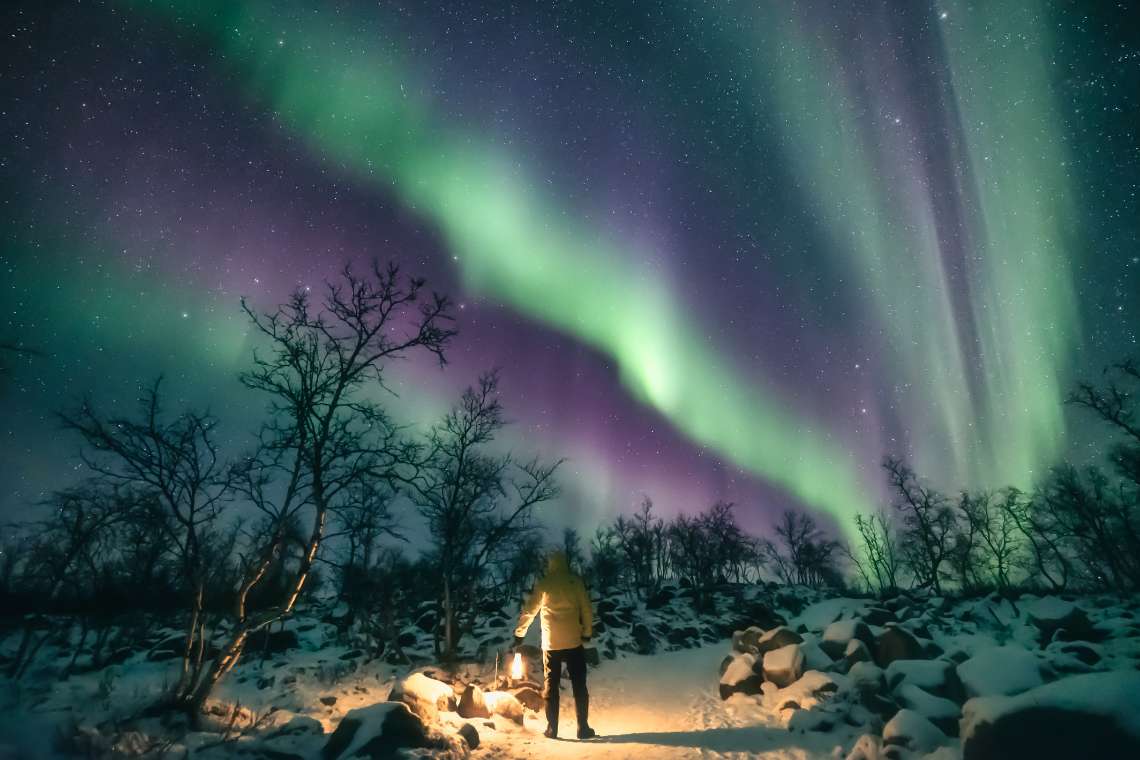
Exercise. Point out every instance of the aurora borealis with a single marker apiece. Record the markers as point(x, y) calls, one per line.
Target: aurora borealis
point(740, 252)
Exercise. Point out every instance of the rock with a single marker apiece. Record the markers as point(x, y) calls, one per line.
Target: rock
point(659, 600)
point(783, 666)
point(407, 639)
point(425, 696)
point(509, 705)
point(777, 638)
point(910, 730)
point(469, 734)
point(837, 635)
point(530, 698)
point(275, 642)
point(681, 637)
point(1000, 671)
point(725, 663)
point(1090, 715)
point(856, 651)
point(427, 621)
point(378, 731)
point(1051, 616)
point(328, 701)
point(472, 704)
point(937, 677)
point(741, 677)
point(941, 712)
point(643, 639)
point(745, 641)
point(894, 643)
point(878, 616)
point(867, 747)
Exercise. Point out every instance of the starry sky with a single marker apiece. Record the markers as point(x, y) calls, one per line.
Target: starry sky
point(720, 250)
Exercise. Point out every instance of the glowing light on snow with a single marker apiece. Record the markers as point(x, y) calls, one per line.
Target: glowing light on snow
point(517, 670)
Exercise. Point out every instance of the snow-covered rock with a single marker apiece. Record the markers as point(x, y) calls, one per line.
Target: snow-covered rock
point(941, 712)
point(839, 634)
point(741, 677)
point(784, 666)
point(910, 730)
point(1000, 671)
point(776, 638)
point(938, 677)
point(1052, 616)
point(1090, 715)
point(425, 696)
point(379, 731)
point(508, 705)
point(472, 703)
point(896, 643)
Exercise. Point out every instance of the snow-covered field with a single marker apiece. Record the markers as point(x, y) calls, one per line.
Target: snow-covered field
point(815, 678)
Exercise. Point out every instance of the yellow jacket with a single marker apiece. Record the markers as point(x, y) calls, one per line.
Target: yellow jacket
point(561, 597)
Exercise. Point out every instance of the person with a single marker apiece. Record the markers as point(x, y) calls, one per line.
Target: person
point(567, 624)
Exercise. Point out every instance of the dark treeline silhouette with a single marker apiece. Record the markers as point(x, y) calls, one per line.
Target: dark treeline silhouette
point(171, 528)
point(1078, 529)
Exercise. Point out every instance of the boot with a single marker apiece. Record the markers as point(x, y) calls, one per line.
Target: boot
point(582, 709)
point(551, 732)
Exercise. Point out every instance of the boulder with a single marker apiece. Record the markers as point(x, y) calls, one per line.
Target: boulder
point(469, 734)
point(472, 704)
point(530, 698)
point(379, 731)
point(741, 677)
point(784, 666)
point(838, 634)
point(276, 642)
point(681, 637)
point(508, 705)
point(878, 616)
point(777, 638)
point(941, 712)
point(911, 731)
point(1091, 715)
point(1000, 671)
point(894, 643)
point(937, 677)
point(643, 639)
point(424, 696)
point(659, 600)
point(1053, 617)
point(856, 651)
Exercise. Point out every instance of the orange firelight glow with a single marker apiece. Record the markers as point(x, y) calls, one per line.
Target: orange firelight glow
point(517, 667)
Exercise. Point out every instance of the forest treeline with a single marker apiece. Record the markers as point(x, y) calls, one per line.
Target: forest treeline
point(166, 523)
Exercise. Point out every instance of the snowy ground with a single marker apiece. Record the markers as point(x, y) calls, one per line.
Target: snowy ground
point(662, 706)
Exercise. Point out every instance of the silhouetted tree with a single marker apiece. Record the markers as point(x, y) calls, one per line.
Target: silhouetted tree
point(928, 523)
point(177, 462)
point(325, 440)
point(474, 501)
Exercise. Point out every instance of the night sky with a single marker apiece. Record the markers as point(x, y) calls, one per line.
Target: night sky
point(721, 250)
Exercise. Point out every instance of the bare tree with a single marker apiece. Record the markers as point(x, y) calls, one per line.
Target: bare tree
point(878, 560)
point(928, 525)
point(324, 441)
point(990, 519)
point(177, 462)
point(474, 501)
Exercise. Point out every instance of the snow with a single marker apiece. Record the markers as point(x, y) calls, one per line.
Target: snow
point(1115, 694)
point(664, 707)
point(927, 674)
point(784, 665)
point(371, 720)
point(1000, 671)
point(1049, 608)
point(841, 631)
point(911, 730)
point(927, 705)
point(818, 616)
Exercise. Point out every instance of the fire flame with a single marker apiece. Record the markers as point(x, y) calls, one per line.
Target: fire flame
point(517, 667)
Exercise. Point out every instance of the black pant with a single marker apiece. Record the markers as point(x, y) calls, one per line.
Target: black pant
point(575, 660)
